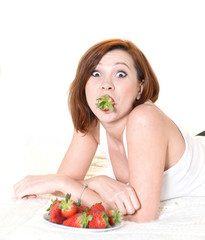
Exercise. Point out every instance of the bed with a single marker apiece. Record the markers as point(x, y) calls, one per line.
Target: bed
point(181, 218)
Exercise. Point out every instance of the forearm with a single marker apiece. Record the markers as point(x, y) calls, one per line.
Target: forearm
point(59, 184)
point(116, 194)
point(95, 183)
point(74, 187)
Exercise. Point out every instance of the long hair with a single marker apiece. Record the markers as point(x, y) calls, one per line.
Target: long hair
point(81, 113)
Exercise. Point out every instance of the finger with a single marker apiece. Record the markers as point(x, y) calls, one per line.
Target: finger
point(121, 207)
point(32, 196)
point(20, 192)
point(129, 206)
point(18, 186)
point(21, 189)
point(21, 181)
point(134, 199)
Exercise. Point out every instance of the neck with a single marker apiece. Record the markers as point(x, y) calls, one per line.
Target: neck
point(116, 129)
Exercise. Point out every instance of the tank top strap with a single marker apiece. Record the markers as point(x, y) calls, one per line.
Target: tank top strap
point(125, 142)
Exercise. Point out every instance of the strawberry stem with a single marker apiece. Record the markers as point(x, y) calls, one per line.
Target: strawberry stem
point(105, 103)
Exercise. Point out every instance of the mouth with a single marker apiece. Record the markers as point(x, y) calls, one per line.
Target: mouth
point(105, 103)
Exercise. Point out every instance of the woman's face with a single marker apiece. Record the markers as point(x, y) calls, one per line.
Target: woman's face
point(116, 76)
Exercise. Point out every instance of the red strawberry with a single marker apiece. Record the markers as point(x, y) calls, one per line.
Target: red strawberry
point(81, 209)
point(115, 216)
point(92, 212)
point(105, 103)
point(53, 202)
point(56, 215)
point(79, 220)
point(68, 207)
point(98, 206)
point(99, 220)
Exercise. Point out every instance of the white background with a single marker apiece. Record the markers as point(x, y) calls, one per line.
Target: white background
point(41, 43)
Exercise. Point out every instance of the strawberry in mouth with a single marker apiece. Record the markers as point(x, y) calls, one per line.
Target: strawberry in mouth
point(105, 103)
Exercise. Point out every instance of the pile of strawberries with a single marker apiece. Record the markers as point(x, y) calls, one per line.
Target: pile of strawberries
point(72, 214)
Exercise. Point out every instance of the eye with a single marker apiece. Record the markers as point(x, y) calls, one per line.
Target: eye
point(121, 74)
point(95, 73)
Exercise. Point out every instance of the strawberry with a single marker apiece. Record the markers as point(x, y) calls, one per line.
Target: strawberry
point(98, 206)
point(105, 103)
point(81, 209)
point(56, 215)
point(92, 212)
point(53, 202)
point(67, 206)
point(115, 216)
point(99, 220)
point(79, 220)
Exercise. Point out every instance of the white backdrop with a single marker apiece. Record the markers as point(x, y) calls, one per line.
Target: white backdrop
point(40, 46)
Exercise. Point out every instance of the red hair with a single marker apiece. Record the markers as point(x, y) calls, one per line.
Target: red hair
point(82, 115)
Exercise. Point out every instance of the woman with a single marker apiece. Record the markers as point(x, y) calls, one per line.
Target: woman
point(152, 159)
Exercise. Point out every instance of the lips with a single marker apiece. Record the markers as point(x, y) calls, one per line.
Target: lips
point(105, 103)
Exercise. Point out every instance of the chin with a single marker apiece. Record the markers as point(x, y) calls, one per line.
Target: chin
point(106, 116)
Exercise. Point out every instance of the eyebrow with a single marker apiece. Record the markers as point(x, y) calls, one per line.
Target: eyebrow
point(122, 64)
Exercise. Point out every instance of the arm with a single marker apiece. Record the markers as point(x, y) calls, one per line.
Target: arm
point(116, 194)
point(70, 175)
point(34, 185)
point(74, 166)
point(112, 193)
point(72, 170)
point(79, 155)
point(147, 148)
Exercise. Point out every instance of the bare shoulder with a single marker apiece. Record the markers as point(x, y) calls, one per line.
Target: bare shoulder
point(146, 116)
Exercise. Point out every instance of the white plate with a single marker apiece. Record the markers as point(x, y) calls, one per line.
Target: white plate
point(116, 226)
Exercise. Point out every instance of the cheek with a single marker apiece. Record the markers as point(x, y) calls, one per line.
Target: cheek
point(88, 89)
point(130, 91)
point(130, 95)
point(90, 95)
point(90, 86)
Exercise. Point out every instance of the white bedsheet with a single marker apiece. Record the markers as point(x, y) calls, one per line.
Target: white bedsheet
point(182, 218)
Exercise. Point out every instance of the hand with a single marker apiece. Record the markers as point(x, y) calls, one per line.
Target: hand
point(116, 194)
point(33, 185)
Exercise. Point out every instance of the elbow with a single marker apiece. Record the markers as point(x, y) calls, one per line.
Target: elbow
point(141, 218)
point(145, 219)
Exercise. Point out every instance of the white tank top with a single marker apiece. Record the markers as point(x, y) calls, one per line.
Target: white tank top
point(186, 177)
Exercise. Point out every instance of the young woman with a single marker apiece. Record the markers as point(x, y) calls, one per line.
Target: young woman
point(152, 158)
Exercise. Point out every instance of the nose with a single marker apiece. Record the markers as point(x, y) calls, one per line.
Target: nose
point(107, 85)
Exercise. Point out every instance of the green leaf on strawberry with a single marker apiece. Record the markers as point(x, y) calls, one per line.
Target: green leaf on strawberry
point(115, 216)
point(105, 103)
point(53, 202)
point(100, 220)
point(67, 206)
point(79, 220)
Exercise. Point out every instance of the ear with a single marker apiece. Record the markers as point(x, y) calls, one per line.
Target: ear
point(140, 89)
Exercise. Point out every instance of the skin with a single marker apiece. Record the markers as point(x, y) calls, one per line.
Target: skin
point(154, 145)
